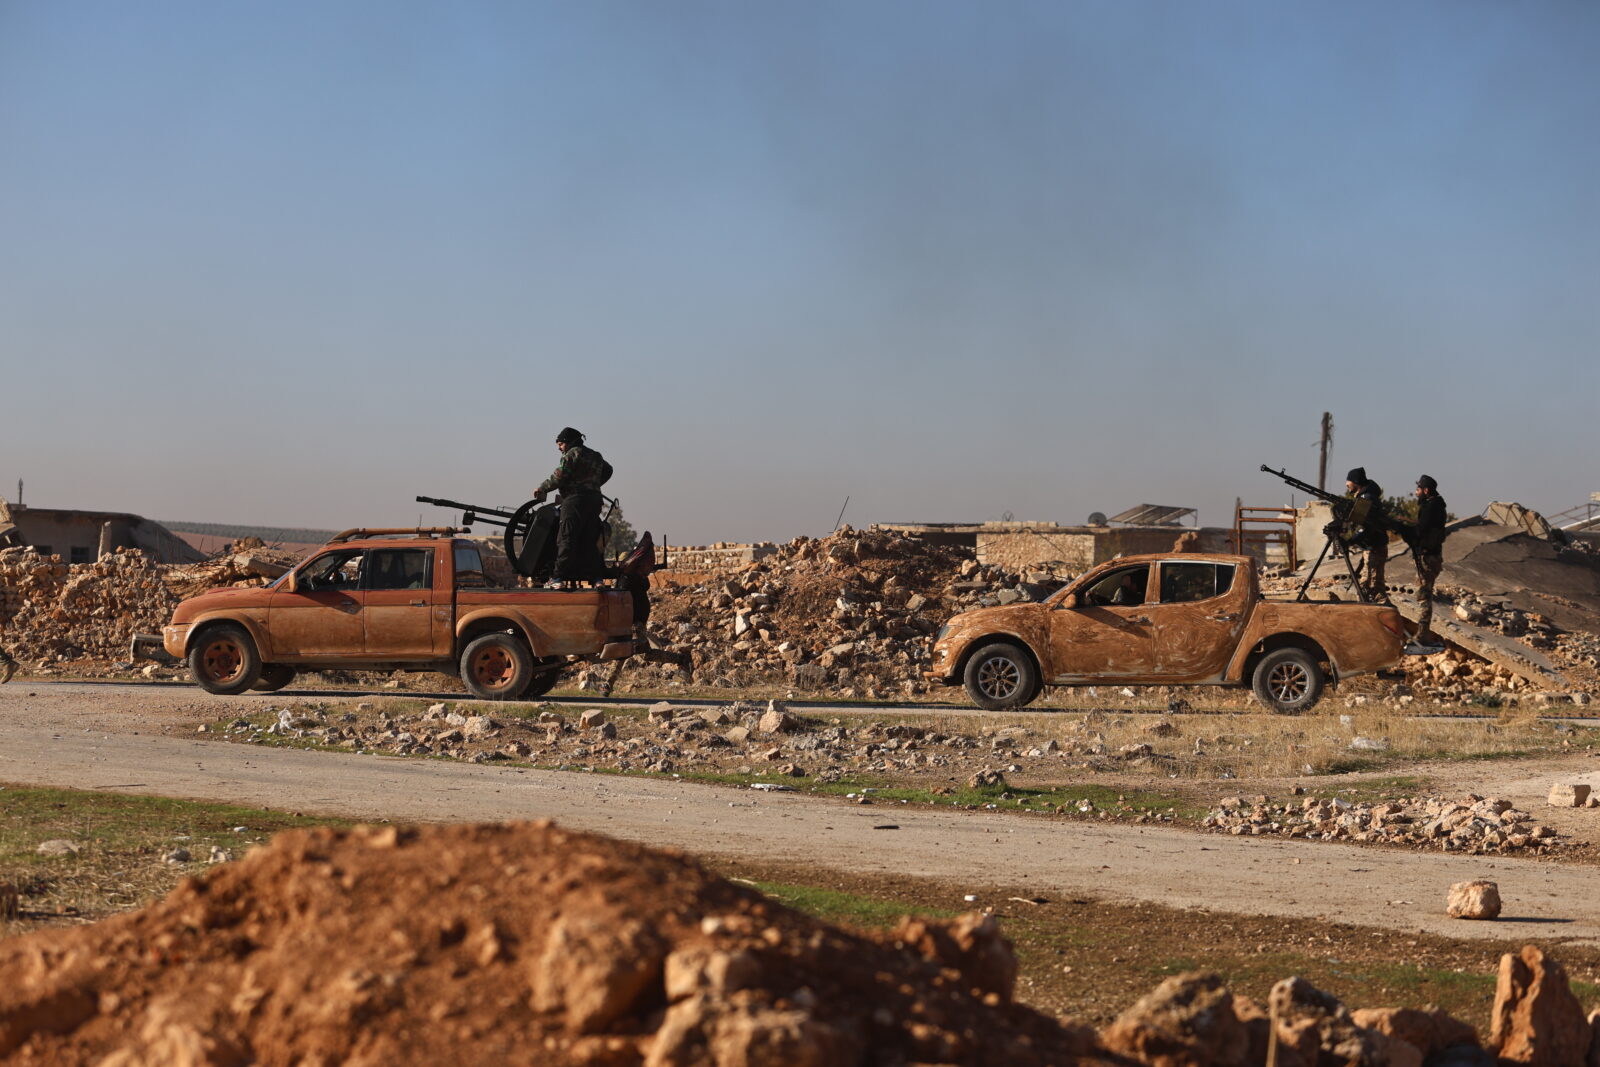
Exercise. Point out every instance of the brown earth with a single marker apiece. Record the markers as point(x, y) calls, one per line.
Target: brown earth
point(517, 943)
point(525, 943)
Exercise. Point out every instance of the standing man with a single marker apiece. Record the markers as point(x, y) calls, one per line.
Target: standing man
point(579, 476)
point(1373, 535)
point(8, 666)
point(1427, 547)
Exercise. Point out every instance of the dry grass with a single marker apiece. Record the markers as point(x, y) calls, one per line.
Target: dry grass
point(122, 843)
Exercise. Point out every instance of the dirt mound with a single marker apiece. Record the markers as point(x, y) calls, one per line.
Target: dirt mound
point(505, 944)
point(523, 943)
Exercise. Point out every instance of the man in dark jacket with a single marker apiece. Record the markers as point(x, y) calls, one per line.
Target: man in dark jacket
point(1373, 534)
point(579, 476)
point(1427, 547)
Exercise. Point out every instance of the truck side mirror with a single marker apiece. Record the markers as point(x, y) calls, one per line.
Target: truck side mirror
point(290, 582)
point(1069, 601)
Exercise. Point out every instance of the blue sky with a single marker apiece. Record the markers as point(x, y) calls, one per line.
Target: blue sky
point(295, 263)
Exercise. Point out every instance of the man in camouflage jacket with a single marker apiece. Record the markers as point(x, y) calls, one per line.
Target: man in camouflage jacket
point(578, 477)
point(1373, 536)
point(1427, 548)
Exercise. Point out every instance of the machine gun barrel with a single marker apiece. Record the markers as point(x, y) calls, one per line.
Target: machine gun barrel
point(1306, 487)
point(471, 512)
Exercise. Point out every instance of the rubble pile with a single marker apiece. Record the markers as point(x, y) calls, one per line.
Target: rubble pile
point(853, 613)
point(1456, 674)
point(1474, 825)
point(54, 613)
point(519, 942)
point(738, 738)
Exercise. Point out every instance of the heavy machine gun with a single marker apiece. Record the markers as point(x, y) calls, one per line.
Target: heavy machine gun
point(1350, 515)
point(530, 531)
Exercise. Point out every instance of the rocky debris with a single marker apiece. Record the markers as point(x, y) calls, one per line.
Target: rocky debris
point(1435, 1035)
point(853, 613)
point(1192, 1020)
point(1478, 899)
point(1536, 1019)
point(53, 613)
point(1313, 1027)
point(1473, 825)
point(1569, 795)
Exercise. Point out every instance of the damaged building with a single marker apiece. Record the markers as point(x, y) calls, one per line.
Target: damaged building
point(1141, 529)
point(86, 536)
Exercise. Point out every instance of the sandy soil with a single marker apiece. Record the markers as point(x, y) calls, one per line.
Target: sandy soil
point(141, 739)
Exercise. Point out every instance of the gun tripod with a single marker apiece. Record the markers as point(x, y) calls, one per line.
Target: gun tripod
point(1334, 541)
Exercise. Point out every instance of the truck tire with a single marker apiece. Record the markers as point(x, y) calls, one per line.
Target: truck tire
point(274, 676)
point(224, 660)
point(1000, 676)
point(497, 666)
point(1287, 681)
point(541, 683)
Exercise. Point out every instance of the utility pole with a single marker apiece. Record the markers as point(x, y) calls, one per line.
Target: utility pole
point(1327, 441)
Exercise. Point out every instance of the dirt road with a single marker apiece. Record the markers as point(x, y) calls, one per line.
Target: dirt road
point(111, 738)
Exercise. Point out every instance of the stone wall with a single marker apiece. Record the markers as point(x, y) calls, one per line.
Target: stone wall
point(1082, 547)
point(712, 559)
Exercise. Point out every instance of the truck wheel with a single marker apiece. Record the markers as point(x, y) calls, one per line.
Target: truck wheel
point(274, 676)
point(541, 684)
point(1288, 681)
point(497, 666)
point(224, 660)
point(1001, 676)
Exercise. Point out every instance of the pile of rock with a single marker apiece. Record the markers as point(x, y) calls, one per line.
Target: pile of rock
point(54, 613)
point(1456, 674)
point(853, 613)
point(1194, 1019)
point(739, 737)
point(1473, 825)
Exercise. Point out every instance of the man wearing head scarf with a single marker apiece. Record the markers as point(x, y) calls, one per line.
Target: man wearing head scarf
point(1427, 548)
point(578, 477)
point(1373, 535)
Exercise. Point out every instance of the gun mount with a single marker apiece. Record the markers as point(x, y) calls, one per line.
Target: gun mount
point(1349, 515)
point(530, 530)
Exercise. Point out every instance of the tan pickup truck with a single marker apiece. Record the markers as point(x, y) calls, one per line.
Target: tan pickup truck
point(397, 600)
point(1177, 619)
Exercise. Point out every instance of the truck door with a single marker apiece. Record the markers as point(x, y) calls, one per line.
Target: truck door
point(322, 617)
point(1199, 617)
point(1108, 634)
point(400, 603)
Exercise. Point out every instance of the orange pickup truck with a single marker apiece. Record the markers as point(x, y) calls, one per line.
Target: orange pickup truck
point(397, 600)
point(1177, 619)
